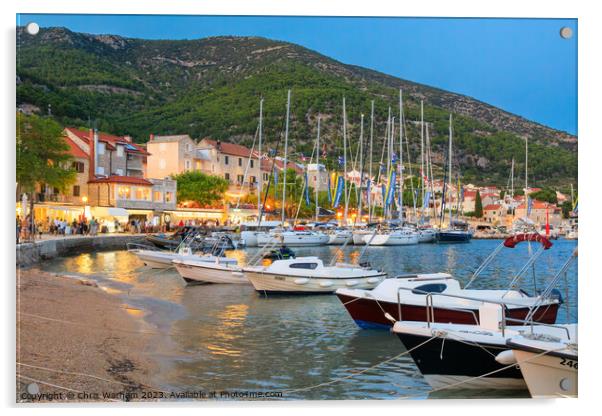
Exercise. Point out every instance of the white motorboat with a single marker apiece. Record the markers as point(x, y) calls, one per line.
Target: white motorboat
point(458, 356)
point(210, 272)
point(405, 297)
point(340, 236)
point(163, 259)
point(309, 275)
point(397, 237)
point(293, 238)
point(548, 362)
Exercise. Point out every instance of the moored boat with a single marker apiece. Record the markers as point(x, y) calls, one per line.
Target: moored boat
point(210, 272)
point(309, 275)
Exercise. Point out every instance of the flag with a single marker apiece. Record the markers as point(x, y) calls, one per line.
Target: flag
point(576, 210)
point(275, 176)
point(329, 191)
point(529, 205)
point(324, 150)
point(547, 222)
point(341, 160)
point(339, 192)
point(306, 190)
point(427, 199)
point(394, 158)
point(384, 192)
point(391, 186)
point(368, 196)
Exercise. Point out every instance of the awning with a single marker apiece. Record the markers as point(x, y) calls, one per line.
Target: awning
point(104, 212)
point(60, 207)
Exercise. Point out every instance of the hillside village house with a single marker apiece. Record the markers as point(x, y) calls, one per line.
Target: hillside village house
point(539, 211)
point(172, 155)
point(110, 182)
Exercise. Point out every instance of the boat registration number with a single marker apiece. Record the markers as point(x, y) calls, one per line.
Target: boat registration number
point(279, 278)
point(569, 363)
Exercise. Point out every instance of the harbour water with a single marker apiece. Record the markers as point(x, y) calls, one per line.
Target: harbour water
point(230, 338)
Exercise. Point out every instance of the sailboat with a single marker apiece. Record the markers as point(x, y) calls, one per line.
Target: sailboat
point(456, 231)
point(296, 237)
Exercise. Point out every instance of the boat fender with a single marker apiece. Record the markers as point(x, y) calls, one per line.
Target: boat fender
point(327, 283)
point(506, 357)
point(373, 280)
point(238, 274)
point(352, 283)
point(301, 281)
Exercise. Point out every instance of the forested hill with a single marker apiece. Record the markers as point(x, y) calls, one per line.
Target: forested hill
point(212, 86)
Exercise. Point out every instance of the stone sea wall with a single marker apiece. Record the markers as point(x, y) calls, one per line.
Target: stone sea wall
point(31, 253)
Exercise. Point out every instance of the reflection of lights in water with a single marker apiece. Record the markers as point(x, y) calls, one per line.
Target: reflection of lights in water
point(111, 291)
point(230, 319)
point(85, 264)
point(133, 311)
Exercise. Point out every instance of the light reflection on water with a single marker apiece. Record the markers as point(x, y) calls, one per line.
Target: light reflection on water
point(228, 337)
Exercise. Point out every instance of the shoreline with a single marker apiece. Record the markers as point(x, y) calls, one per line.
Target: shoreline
point(77, 343)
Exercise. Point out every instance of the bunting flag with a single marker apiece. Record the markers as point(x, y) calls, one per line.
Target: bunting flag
point(341, 160)
point(339, 192)
point(368, 196)
point(333, 183)
point(394, 158)
point(329, 191)
point(427, 199)
point(391, 186)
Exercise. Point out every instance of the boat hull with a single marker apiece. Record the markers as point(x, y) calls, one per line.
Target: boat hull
point(339, 238)
point(164, 260)
point(358, 238)
point(367, 313)
point(545, 374)
point(453, 237)
point(445, 362)
point(391, 240)
point(293, 241)
point(279, 283)
point(211, 273)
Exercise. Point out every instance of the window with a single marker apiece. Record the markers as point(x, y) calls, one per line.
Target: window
point(100, 170)
point(240, 178)
point(119, 151)
point(198, 165)
point(189, 147)
point(124, 192)
point(226, 160)
point(266, 177)
point(187, 164)
point(168, 196)
point(78, 166)
point(142, 194)
point(253, 179)
point(227, 176)
point(162, 164)
point(101, 148)
point(310, 266)
point(119, 172)
point(430, 288)
point(130, 156)
point(252, 163)
point(240, 161)
point(75, 190)
point(158, 196)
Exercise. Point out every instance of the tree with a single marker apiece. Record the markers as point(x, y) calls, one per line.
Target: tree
point(42, 154)
point(567, 207)
point(478, 206)
point(201, 188)
point(546, 195)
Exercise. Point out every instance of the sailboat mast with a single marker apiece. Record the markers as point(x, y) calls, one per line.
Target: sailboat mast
point(401, 156)
point(388, 152)
point(345, 162)
point(260, 179)
point(422, 159)
point(512, 180)
point(288, 108)
point(527, 175)
point(450, 171)
point(429, 169)
point(370, 174)
point(317, 169)
point(359, 208)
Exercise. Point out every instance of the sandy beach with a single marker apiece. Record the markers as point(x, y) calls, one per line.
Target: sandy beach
point(77, 343)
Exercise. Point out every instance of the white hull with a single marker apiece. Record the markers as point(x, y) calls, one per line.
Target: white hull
point(269, 282)
point(293, 240)
point(163, 260)
point(426, 237)
point(339, 238)
point(392, 239)
point(437, 381)
point(211, 272)
point(358, 237)
point(544, 373)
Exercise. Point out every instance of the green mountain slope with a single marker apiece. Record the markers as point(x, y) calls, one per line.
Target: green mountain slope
point(212, 86)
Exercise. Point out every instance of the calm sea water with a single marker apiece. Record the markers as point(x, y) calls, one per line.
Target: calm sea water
point(230, 338)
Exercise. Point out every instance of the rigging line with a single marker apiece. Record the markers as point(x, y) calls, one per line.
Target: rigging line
point(52, 370)
point(305, 184)
point(336, 380)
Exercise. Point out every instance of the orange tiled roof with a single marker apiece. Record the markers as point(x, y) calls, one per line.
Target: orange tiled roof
point(109, 139)
point(75, 150)
point(132, 180)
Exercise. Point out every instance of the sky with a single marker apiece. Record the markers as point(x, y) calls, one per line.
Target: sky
point(523, 66)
